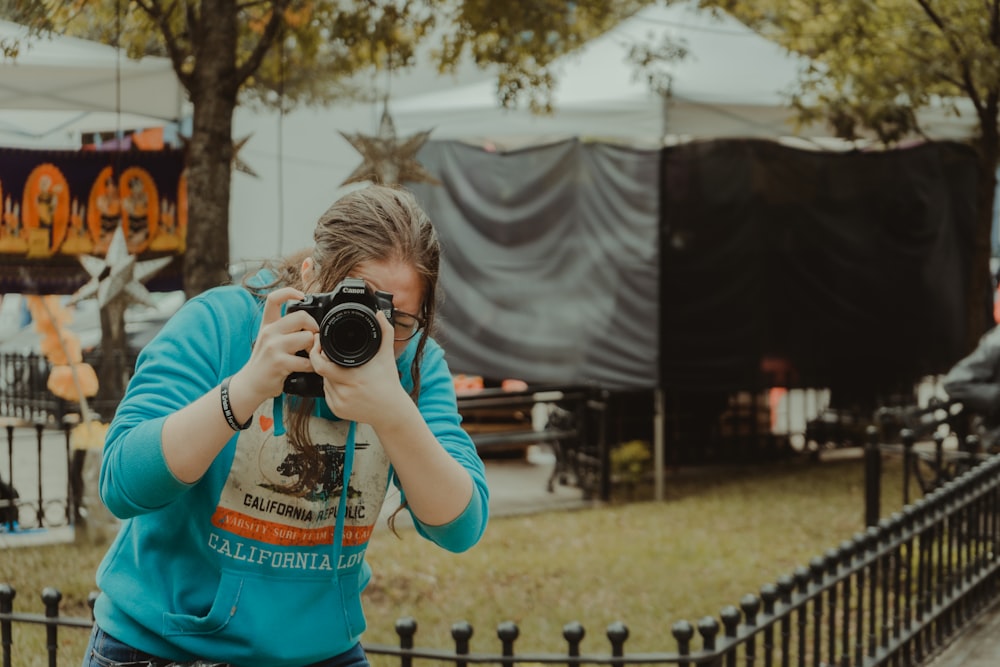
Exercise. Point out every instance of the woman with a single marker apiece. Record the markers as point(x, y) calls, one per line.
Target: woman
point(247, 511)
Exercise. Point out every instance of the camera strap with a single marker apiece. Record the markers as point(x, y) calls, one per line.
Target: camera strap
point(278, 414)
point(338, 529)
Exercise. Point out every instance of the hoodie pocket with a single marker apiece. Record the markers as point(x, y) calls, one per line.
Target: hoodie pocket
point(250, 611)
point(224, 607)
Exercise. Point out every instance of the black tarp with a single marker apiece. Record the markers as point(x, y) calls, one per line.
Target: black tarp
point(842, 270)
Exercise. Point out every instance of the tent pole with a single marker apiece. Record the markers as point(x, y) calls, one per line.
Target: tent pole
point(664, 103)
point(659, 407)
point(659, 457)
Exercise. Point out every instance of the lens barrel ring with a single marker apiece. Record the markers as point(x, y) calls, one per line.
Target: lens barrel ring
point(350, 335)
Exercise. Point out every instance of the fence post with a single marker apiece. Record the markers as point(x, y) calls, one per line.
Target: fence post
point(71, 505)
point(939, 439)
point(750, 605)
point(7, 594)
point(708, 628)
point(683, 632)
point(51, 598)
point(12, 513)
point(39, 428)
point(461, 632)
point(573, 633)
point(873, 477)
point(617, 634)
point(909, 461)
point(405, 628)
point(507, 632)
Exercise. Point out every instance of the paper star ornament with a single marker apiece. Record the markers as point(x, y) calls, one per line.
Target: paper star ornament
point(118, 273)
point(239, 164)
point(387, 159)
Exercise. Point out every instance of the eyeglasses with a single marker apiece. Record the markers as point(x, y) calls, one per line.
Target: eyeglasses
point(405, 325)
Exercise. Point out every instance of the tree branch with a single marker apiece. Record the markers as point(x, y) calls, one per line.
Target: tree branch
point(956, 48)
point(264, 44)
point(160, 16)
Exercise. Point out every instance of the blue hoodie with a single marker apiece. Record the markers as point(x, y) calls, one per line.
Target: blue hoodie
point(258, 563)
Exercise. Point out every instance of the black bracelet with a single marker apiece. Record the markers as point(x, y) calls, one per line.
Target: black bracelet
point(227, 408)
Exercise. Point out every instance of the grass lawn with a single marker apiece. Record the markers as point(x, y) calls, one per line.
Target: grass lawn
point(720, 533)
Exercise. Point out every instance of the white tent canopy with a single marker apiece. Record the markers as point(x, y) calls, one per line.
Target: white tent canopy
point(59, 86)
point(733, 82)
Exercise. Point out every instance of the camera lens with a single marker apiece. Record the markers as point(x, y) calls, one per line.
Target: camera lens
point(350, 335)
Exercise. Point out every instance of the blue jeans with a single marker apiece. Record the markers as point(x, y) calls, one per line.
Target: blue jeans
point(106, 651)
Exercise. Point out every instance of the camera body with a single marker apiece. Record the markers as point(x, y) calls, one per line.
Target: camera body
point(348, 331)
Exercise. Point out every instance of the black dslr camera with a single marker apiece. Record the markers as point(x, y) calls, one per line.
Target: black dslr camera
point(348, 331)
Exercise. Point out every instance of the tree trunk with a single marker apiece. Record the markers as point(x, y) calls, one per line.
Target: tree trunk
point(111, 368)
point(210, 150)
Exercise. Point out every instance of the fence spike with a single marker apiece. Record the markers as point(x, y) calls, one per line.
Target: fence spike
point(7, 595)
point(51, 597)
point(574, 633)
point(617, 633)
point(802, 578)
point(406, 627)
point(461, 632)
point(750, 604)
point(786, 586)
point(683, 632)
point(730, 616)
point(817, 565)
point(831, 561)
point(769, 595)
point(508, 632)
point(708, 628)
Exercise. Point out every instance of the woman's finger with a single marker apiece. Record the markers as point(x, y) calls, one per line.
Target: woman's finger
point(275, 300)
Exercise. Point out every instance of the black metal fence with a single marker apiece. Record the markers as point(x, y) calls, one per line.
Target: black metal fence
point(51, 501)
point(24, 393)
point(894, 595)
point(925, 467)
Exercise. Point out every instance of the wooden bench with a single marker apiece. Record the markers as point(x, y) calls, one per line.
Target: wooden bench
point(568, 419)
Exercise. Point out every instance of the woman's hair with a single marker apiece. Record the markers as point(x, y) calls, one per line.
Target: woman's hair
point(375, 223)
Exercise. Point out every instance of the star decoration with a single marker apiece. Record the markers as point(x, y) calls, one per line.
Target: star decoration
point(238, 163)
point(387, 159)
point(118, 273)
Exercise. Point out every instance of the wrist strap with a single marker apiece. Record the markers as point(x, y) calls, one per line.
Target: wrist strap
point(227, 408)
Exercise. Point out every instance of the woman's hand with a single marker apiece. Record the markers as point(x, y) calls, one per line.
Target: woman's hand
point(364, 393)
point(274, 354)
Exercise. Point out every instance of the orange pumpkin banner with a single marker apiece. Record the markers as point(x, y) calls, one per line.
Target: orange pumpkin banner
point(68, 203)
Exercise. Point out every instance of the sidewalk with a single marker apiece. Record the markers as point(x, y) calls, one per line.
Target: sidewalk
point(516, 487)
point(977, 646)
